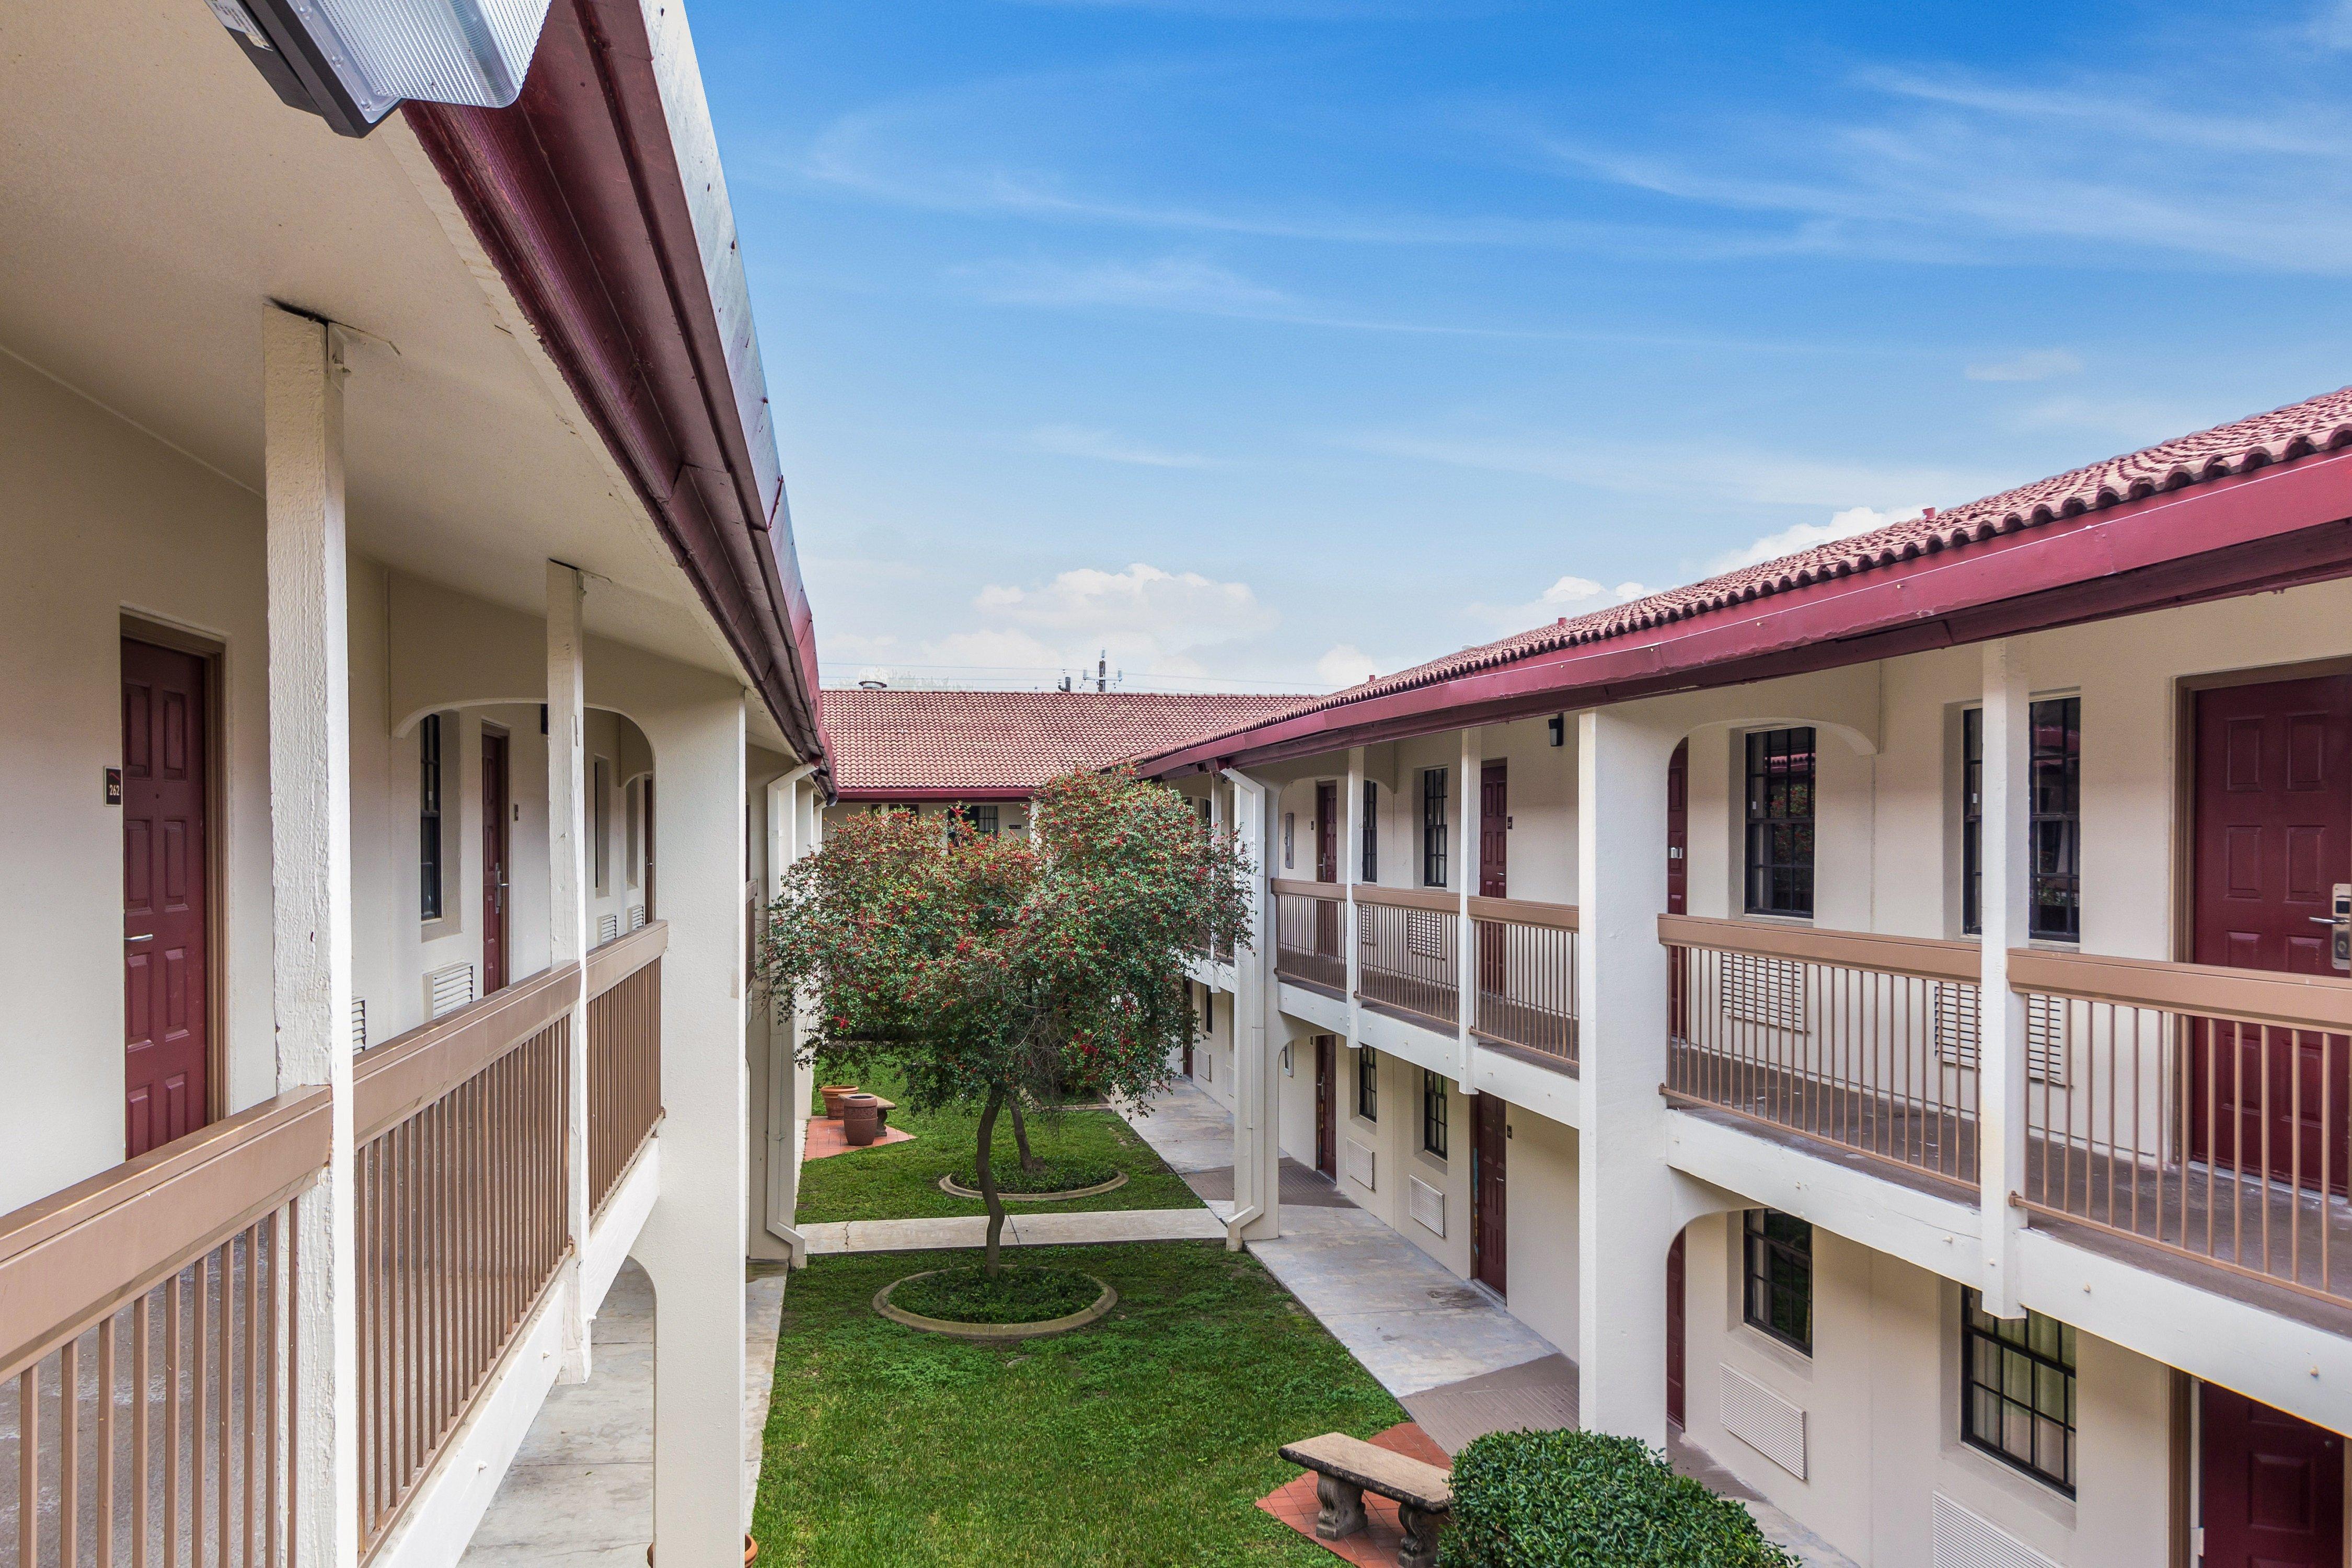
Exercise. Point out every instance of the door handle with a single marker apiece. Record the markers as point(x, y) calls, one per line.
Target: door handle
point(148, 936)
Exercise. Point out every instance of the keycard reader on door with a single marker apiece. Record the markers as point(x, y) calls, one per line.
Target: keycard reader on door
point(2339, 935)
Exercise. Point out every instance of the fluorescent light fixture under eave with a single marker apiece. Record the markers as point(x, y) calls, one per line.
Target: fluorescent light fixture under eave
point(351, 62)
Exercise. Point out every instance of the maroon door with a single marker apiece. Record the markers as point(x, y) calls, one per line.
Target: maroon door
point(645, 796)
point(1326, 1074)
point(1674, 1266)
point(2274, 836)
point(2272, 1486)
point(1678, 890)
point(1494, 878)
point(1489, 1258)
point(166, 850)
point(496, 836)
point(1198, 1026)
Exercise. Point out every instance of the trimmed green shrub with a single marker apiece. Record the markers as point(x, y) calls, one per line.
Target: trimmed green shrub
point(1579, 1499)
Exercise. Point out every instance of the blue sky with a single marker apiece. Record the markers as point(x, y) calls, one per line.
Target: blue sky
point(1268, 345)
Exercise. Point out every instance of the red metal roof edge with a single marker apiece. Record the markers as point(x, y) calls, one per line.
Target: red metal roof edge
point(2239, 526)
point(576, 194)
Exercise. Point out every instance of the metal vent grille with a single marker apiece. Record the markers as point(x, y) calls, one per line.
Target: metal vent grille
point(1959, 1023)
point(1358, 1164)
point(1965, 1540)
point(1427, 1207)
point(448, 989)
point(608, 928)
point(1767, 991)
point(359, 1025)
point(636, 916)
point(1424, 934)
point(1764, 1420)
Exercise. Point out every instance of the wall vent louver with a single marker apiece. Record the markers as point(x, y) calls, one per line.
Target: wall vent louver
point(448, 988)
point(1764, 1420)
point(1959, 1024)
point(1424, 934)
point(1965, 1540)
point(359, 1025)
point(1767, 991)
point(636, 916)
point(1358, 1164)
point(608, 928)
point(1427, 1207)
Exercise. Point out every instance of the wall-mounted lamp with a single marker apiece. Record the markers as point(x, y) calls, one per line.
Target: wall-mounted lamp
point(351, 62)
point(1559, 729)
point(1286, 1062)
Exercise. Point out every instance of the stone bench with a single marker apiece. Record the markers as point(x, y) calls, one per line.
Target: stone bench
point(1347, 1468)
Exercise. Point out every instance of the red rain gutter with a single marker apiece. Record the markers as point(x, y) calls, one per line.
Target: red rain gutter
point(576, 194)
point(933, 791)
point(2274, 527)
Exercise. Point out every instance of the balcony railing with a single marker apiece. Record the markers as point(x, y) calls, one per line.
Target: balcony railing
point(1527, 975)
point(1408, 957)
point(147, 1351)
point(460, 1130)
point(1864, 1041)
point(2198, 1109)
point(1309, 923)
point(624, 1054)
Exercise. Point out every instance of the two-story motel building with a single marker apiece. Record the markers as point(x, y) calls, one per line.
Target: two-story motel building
point(408, 689)
point(1884, 1012)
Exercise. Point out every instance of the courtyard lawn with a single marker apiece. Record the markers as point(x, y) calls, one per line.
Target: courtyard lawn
point(902, 1181)
point(1144, 1440)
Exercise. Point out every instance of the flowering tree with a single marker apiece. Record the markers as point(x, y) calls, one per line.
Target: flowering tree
point(988, 970)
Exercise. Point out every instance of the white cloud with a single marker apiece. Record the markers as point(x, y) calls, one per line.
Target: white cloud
point(1104, 446)
point(2033, 365)
point(1718, 474)
point(1845, 525)
point(1566, 598)
point(1346, 665)
point(1182, 607)
point(1167, 283)
point(2332, 24)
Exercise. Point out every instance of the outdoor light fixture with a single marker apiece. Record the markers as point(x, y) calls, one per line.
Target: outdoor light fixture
point(351, 62)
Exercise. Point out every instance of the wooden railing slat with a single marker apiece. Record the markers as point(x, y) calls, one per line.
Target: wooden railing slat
point(1926, 958)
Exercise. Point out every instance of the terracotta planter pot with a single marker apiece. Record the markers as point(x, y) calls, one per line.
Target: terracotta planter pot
point(835, 1093)
point(861, 1120)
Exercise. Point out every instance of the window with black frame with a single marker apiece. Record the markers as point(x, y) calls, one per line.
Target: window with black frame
point(2017, 1391)
point(1433, 1114)
point(2053, 820)
point(428, 817)
point(1432, 827)
point(1367, 1084)
point(1778, 1298)
point(1371, 872)
point(1780, 822)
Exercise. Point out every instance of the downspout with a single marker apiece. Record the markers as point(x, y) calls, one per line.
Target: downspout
point(783, 1155)
point(1246, 1109)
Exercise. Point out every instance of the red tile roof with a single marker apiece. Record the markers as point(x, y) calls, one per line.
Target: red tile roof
point(2317, 424)
point(1000, 742)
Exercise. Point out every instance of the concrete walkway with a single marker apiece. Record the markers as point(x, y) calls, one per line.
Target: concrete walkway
point(1456, 1359)
point(1020, 1230)
point(580, 1489)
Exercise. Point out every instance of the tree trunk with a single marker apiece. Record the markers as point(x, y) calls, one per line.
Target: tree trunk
point(987, 1171)
point(1021, 1136)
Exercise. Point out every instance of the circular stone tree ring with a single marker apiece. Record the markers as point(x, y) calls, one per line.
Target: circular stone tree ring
point(954, 1188)
point(1062, 1325)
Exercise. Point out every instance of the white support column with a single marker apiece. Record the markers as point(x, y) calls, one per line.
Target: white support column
point(567, 914)
point(693, 1242)
point(787, 1096)
point(1258, 1031)
point(1627, 1197)
point(2002, 855)
point(1465, 882)
point(1351, 870)
point(310, 888)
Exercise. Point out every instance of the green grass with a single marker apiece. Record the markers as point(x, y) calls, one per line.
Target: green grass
point(1053, 1175)
point(902, 1181)
point(1141, 1441)
point(1020, 1294)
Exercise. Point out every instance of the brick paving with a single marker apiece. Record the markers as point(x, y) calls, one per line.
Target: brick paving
point(1375, 1545)
point(826, 1139)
